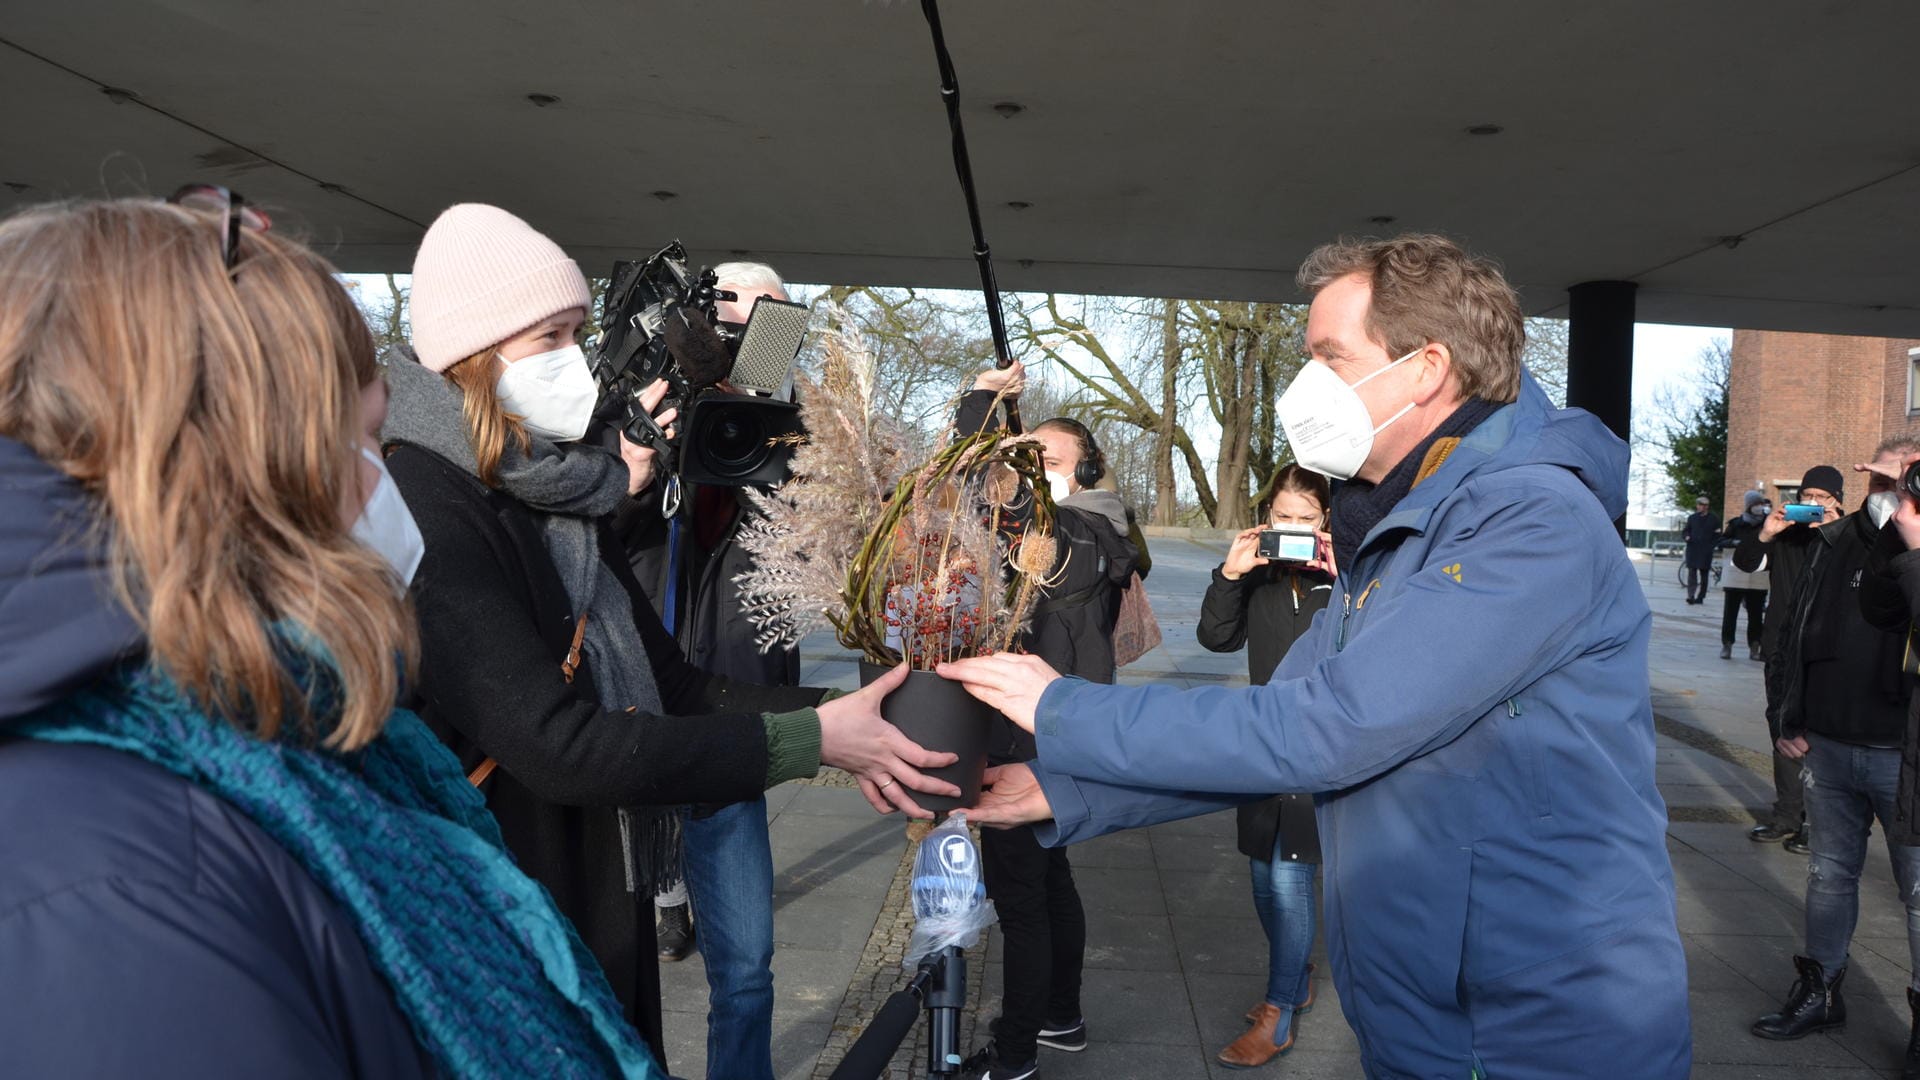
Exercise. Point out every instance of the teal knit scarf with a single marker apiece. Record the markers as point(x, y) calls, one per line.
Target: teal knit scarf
point(492, 979)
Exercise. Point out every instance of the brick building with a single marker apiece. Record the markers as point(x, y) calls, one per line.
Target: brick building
point(1798, 400)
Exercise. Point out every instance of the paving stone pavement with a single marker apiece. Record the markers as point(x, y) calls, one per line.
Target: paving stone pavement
point(1175, 954)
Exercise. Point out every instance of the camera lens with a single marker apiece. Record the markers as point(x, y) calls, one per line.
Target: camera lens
point(1911, 481)
point(735, 442)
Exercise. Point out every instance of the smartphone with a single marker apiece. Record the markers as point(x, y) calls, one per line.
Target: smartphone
point(1288, 543)
point(1804, 513)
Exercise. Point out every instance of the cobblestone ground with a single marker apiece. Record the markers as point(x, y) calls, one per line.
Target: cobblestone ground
point(880, 974)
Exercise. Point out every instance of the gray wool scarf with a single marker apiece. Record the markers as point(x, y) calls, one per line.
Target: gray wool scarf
point(569, 489)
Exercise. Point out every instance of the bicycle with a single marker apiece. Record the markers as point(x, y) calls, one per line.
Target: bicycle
point(1714, 572)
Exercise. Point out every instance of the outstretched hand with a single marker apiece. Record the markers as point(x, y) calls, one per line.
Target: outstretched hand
point(855, 737)
point(1010, 682)
point(1009, 796)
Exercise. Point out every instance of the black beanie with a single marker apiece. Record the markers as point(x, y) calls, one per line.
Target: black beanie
point(1826, 478)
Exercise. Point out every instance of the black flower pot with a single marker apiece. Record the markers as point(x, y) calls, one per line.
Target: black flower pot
point(940, 715)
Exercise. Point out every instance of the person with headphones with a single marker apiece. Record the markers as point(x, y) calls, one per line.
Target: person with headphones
point(1031, 886)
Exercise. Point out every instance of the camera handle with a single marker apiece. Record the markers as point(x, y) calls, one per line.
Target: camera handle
point(940, 987)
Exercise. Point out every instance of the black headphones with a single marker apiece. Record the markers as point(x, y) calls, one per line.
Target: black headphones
point(1093, 463)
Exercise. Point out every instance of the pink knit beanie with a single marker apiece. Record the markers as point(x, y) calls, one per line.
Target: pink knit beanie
point(482, 276)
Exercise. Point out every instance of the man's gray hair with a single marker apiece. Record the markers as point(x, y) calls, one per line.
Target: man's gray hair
point(748, 275)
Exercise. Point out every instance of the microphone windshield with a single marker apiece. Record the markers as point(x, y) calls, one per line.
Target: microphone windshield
point(701, 354)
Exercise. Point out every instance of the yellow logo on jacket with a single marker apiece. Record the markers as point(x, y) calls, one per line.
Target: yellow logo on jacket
point(1452, 571)
point(1361, 604)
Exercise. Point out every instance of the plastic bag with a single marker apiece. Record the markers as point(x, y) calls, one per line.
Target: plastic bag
point(1136, 632)
point(950, 905)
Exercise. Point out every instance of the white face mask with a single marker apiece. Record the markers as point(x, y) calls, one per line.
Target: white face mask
point(1327, 424)
point(1060, 485)
point(552, 393)
point(387, 526)
point(1881, 505)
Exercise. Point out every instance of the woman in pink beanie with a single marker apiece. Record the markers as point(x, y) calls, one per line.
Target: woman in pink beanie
point(542, 663)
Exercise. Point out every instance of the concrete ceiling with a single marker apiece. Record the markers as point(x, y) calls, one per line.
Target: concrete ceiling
point(1190, 149)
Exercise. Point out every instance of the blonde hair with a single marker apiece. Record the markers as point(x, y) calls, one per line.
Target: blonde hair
point(489, 425)
point(215, 418)
point(1426, 288)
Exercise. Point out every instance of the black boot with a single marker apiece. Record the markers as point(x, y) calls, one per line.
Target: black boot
point(1910, 1068)
point(1726, 651)
point(675, 933)
point(1814, 1004)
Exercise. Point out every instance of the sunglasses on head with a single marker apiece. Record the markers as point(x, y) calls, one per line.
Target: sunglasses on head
point(233, 210)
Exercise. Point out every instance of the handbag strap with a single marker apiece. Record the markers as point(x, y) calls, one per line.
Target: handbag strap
point(568, 665)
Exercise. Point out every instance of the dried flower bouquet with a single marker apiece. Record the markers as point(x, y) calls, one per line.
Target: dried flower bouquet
point(933, 562)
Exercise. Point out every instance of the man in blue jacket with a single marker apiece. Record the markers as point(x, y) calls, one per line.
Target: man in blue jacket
point(1472, 707)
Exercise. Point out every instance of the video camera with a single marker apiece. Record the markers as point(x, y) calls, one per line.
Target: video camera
point(658, 323)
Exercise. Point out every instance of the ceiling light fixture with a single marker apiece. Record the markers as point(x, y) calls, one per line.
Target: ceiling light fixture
point(541, 101)
point(1009, 109)
point(1485, 129)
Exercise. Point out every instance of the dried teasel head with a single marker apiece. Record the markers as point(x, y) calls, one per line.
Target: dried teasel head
point(1036, 555)
point(1002, 485)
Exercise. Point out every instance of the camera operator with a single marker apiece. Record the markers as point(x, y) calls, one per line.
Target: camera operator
point(1783, 549)
point(1744, 589)
point(687, 566)
point(539, 652)
point(1032, 886)
point(1267, 605)
point(1843, 717)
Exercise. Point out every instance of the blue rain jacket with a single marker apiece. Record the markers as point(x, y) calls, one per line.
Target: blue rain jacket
point(1472, 709)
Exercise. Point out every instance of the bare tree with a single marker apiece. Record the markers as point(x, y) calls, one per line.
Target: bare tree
point(1546, 356)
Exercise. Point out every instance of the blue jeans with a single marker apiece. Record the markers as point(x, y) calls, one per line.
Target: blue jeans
point(1283, 894)
point(729, 865)
point(1847, 787)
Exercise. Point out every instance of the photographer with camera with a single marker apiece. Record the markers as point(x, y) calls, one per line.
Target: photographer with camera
point(1266, 604)
point(543, 665)
point(1783, 546)
point(687, 564)
point(1032, 886)
point(1843, 717)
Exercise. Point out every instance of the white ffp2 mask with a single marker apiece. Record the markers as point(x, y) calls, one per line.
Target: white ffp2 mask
point(552, 393)
point(1880, 507)
point(1060, 485)
point(1327, 424)
point(387, 526)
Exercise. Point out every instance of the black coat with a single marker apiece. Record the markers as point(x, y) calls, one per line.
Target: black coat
point(495, 624)
point(1890, 600)
point(1842, 672)
point(1702, 534)
point(1267, 611)
point(1785, 558)
point(707, 618)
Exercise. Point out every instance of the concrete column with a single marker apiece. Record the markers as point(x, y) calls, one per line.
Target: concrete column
point(1600, 352)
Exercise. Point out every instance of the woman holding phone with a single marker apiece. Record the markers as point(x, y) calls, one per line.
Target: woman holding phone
point(1265, 605)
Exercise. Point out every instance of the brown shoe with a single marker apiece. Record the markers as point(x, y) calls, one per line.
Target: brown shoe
point(1304, 1007)
point(1256, 1047)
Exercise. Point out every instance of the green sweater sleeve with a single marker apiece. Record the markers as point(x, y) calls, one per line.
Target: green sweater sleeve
point(793, 745)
